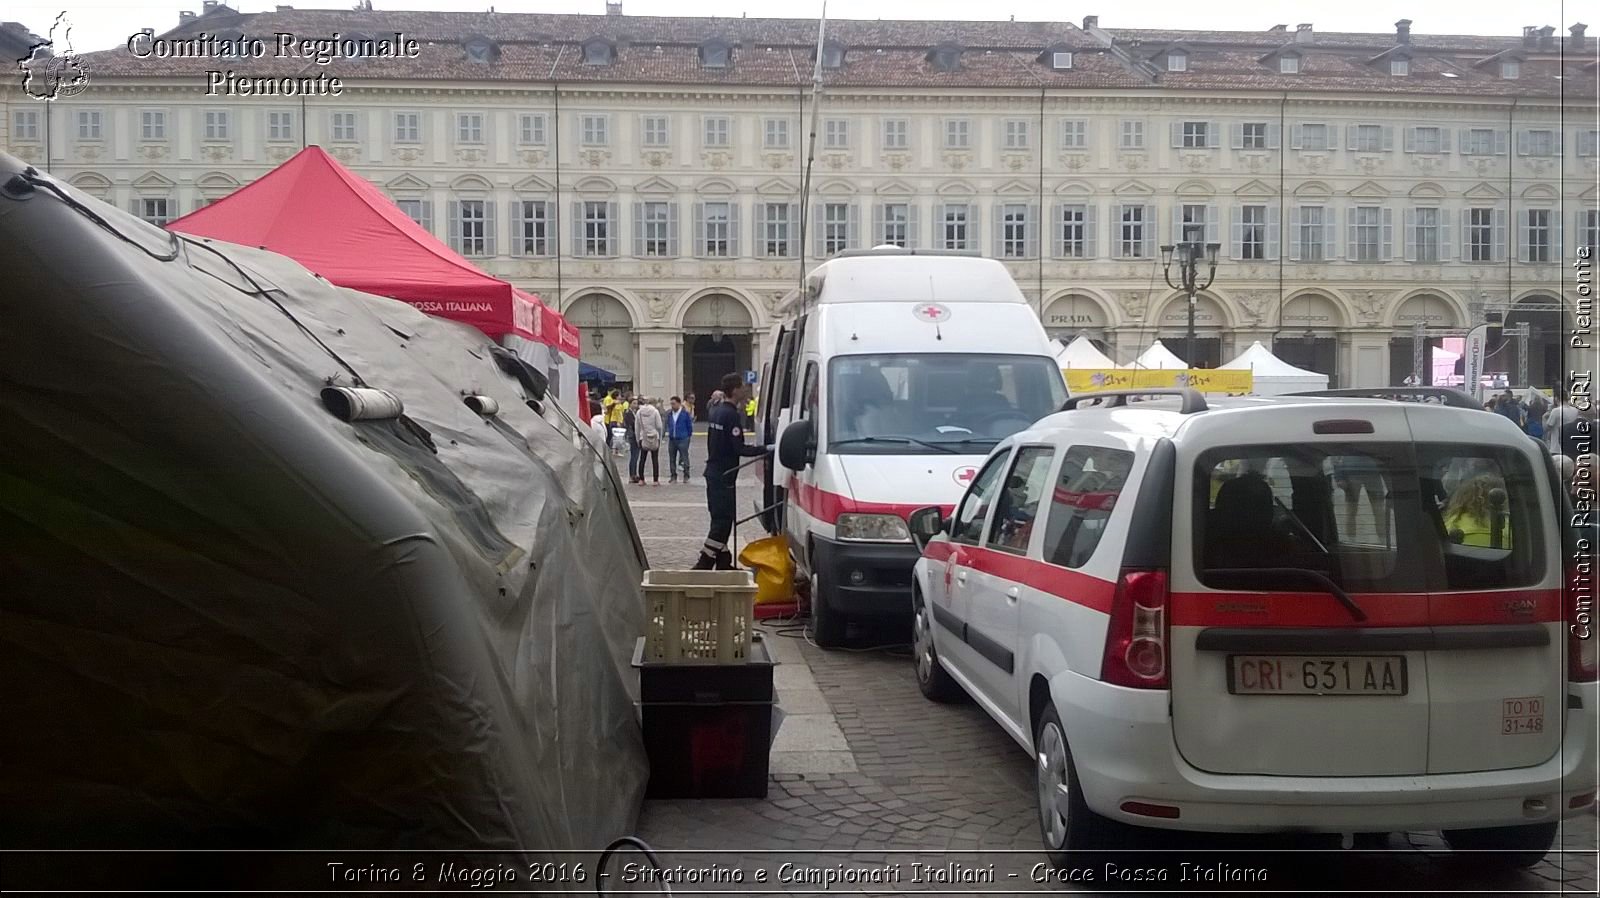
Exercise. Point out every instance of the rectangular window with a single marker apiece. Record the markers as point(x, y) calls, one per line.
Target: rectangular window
point(1017, 506)
point(531, 129)
point(216, 124)
point(533, 237)
point(1541, 143)
point(1253, 232)
point(717, 238)
point(836, 134)
point(718, 131)
point(417, 211)
point(280, 126)
point(596, 226)
point(1075, 134)
point(896, 224)
point(1132, 228)
point(155, 209)
point(1479, 142)
point(1195, 135)
point(1590, 232)
point(955, 227)
point(1589, 143)
point(1425, 235)
point(473, 226)
point(1480, 235)
point(1369, 138)
point(594, 130)
point(896, 134)
point(1255, 136)
point(1314, 137)
point(1132, 135)
point(1074, 231)
point(25, 124)
point(1192, 223)
point(1014, 226)
point(656, 222)
point(776, 231)
point(1016, 134)
point(89, 124)
point(775, 134)
point(407, 127)
point(1427, 140)
point(1177, 62)
point(835, 228)
point(1087, 489)
point(957, 134)
point(152, 124)
point(654, 131)
point(1309, 235)
point(1288, 65)
point(1368, 228)
point(344, 125)
point(469, 127)
point(1536, 239)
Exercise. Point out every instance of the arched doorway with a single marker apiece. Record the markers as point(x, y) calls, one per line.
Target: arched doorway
point(717, 331)
point(1421, 326)
point(1074, 315)
point(1308, 335)
point(1172, 328)
point(607, 334)
point(1533, 359)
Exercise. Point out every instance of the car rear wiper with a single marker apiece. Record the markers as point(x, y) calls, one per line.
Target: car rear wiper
point(907, 441)
point(1301, 525)
point(1295, 573)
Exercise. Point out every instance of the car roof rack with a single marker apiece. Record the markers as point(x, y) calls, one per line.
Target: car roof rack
point(1192, 400)
point(1429, 395)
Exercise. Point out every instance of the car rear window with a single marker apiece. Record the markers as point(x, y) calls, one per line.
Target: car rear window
point(1372, 517)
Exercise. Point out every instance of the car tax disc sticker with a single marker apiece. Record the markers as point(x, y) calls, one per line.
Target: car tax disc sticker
point(931, 312)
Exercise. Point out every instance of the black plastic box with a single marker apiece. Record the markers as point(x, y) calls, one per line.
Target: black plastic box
point(707, 727)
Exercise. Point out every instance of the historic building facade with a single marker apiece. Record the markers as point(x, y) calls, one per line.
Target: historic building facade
point(645, 175)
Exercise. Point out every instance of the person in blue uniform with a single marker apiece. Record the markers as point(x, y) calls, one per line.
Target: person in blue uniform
point(725, 446)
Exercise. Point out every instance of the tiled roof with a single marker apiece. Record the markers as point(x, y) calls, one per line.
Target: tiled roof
point(880, 54)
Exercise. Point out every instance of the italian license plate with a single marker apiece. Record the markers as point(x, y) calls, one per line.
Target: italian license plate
point(1316, 675)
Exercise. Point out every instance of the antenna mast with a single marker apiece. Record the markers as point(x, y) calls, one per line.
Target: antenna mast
point(811, 147)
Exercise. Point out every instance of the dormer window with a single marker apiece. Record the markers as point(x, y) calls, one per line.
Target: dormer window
point(481, 50)
point(1510, 69)
point(1061, 60)
point(1289, 65)
point(598, 52)
point(1177, 61)
point(1399, 66)
point(832, 55)
point(945, 57)
point(715, 55)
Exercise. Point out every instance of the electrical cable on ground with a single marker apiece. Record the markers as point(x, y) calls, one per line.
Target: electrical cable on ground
point(625, 841)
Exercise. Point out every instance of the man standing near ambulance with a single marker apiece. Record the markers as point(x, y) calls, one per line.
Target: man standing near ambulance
point(725, 445)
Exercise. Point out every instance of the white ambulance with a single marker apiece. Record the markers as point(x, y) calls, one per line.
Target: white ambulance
point(891, 377)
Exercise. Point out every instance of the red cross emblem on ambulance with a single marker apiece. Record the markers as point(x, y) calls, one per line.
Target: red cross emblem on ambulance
point(932, 312)
point(964, 475)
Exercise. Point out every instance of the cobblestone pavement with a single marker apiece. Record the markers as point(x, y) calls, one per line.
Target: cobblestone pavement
point(942, 784)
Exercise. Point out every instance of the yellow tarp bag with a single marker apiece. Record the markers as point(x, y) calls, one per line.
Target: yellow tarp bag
point(774, 569)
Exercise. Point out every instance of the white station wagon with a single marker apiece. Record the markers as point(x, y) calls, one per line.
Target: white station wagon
point(1311, 613)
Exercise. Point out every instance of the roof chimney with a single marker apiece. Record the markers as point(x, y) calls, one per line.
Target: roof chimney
point(185, 17)
point(1302, 34)
point(284, 7)
point(1091, 22)
point(1530, 36)
point(1547, 37)
point(207, 5)
point(1578, 42)
point(613, 7)
point(1278, 29)
point(1402, 31)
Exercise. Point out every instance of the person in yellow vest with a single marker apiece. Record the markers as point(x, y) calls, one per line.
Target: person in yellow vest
point(614, 407)
point(750, 414)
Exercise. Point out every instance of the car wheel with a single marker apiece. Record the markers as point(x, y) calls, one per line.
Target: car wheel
point(934, 681)
point(827, 625)
point(1065, 821)
point(1509, 847)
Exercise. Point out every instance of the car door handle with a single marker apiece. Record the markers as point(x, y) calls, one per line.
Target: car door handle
point(1011, 595)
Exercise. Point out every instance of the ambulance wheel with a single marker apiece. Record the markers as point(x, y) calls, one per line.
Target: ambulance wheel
point(827, 624)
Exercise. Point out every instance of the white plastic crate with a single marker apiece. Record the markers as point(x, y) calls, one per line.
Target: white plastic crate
point(699, 616)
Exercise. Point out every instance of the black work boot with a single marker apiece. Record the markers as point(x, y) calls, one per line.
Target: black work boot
point(704, 563)
point(725, 561)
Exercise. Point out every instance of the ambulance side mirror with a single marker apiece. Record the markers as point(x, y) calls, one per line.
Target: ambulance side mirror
point(926, 523)
point(797, 445)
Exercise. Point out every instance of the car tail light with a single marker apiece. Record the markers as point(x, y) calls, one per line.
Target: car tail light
point(1136, 637)
point(1583, 665)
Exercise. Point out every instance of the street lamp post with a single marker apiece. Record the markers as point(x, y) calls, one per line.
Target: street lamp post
point(1188, 255)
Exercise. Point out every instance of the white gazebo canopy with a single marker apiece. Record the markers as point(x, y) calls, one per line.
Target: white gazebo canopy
point(1080, 353)
point(1272, 376)
point(1158, 357)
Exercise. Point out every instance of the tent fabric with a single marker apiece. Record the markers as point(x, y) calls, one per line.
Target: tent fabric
point(1158, 357)
point(1272, 376)
point(1081, 353)
point(587, 371)
point(341, 226)
point(231, 619)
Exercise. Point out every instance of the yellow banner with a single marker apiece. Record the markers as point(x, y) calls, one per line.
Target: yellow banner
point(1206, 380)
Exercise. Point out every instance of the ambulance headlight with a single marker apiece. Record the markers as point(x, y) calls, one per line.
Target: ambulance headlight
point(882, 528)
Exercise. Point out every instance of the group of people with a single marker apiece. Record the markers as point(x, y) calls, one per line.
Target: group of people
point(1554, 421)
point(638, 426)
